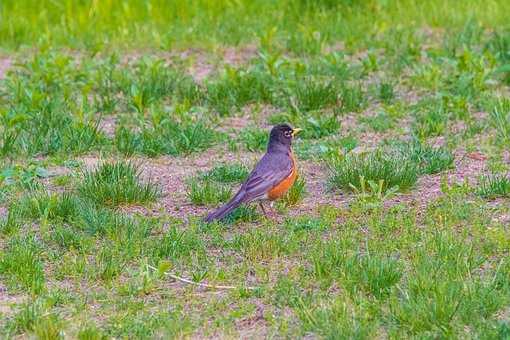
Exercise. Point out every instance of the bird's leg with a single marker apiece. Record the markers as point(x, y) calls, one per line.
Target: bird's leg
point(263, 209)
point(273, 210)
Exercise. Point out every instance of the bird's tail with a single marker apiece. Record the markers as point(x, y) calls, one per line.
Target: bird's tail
point(224, 210)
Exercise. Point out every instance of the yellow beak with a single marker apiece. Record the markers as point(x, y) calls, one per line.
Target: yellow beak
point(296, 131)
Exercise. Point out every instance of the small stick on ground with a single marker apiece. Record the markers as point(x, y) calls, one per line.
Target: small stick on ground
point(203, 285)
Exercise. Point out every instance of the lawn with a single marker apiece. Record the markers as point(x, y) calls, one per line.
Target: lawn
point(123, 125)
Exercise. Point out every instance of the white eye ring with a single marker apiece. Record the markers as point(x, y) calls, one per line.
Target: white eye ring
point(288, 134)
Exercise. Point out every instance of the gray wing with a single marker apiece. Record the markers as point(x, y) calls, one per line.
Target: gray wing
point(271, 170)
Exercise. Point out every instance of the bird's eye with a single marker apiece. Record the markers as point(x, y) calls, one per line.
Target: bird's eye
point(287, 134)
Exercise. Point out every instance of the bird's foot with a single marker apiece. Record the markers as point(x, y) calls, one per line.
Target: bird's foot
point(270, 213)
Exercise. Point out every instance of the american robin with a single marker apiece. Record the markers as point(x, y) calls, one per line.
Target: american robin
point(272, 177)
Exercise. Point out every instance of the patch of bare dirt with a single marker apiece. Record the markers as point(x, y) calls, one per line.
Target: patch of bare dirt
point(5, 64)
point(506, 157)
point(237, 56)
point(235, 123)
point(503, 219)
point(54, 171)
point(468, 167)
point(91, 161)
point(317, 193)
point(108, 125)
point(338, 46)
point(349, 123)
point(171, 174)
point(202, 67)
point(254, 327)
point(3, 211)
point(254, 115)
point(8, 301)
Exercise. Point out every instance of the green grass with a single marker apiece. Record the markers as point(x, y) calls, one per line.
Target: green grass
point(167, 138)
point(389, 93)
point(309, 95)
point(386, 92)
point(230, 173)
point(139, 24)
point(493, 186)
point(34, 317)
point(254, 139)
point(430, 160)
point(379, 123)
point(430, 123)
point(500, 120)
point(22, 264)
point(396, 171)
point(206, 191)
point(295, 193)
point(325, 149)
point(113, 184)
point(315, 125)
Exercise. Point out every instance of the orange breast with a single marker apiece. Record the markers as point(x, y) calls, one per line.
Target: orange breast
point(280, 190)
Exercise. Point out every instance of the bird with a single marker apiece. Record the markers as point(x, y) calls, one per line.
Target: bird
point(272, 176)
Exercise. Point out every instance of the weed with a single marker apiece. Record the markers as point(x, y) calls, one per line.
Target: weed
point(372, 194)
point(331, 317)
point(377, 275)
point(67, 238)
point(26, 317)
point(26, 177)
point(257, 245)
point(109, 264)
point(326, 149)
point(126, 141)
point(43, 102)
point(49, 327)
point(149, 81)
point(393, 169)
point(44, 206)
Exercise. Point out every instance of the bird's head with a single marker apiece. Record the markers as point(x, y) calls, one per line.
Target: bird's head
point(282, 135)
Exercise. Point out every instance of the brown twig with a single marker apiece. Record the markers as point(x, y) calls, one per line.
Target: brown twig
point(203, 285)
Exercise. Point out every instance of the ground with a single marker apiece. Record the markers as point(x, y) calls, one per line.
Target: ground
point(112, 154)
